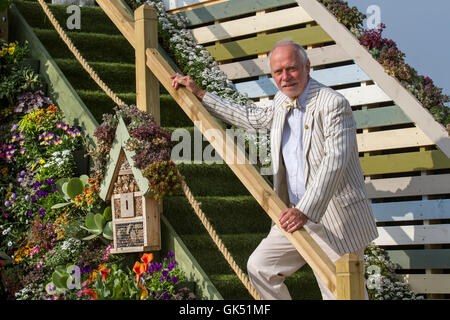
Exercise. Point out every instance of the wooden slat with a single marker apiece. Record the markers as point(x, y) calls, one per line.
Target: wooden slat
point(404, 162)
point(408, 186)
point(421, 259)
point(263, 43)
point(390, 85)
point(412, 210)
point(412, 235)
point(260, 66)
point(364, 95)
point(249, 176)
point(330, 77)
point(176, 4)
point(392, 139)
point(254, 24)
point(379, 117)
point(429, 283)
point(230, 9)
point(358, 95)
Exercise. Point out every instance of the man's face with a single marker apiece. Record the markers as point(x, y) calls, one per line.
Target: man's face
point(288, 72)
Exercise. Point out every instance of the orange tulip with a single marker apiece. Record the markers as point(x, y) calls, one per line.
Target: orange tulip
point(138, 268)
point(144, 292)
point(146, 258)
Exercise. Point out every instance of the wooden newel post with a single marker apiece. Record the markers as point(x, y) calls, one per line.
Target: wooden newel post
point(146, 36)
point(350, 278)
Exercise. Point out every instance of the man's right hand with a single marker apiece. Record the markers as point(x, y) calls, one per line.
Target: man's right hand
point(187, 82)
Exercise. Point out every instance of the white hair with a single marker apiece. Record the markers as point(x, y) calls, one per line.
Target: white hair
point(298, 48)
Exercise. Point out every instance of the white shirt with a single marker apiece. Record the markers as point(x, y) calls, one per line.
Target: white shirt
point(292, 149)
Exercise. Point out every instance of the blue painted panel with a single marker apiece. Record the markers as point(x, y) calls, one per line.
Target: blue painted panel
point(330, 77)
point(412, 210)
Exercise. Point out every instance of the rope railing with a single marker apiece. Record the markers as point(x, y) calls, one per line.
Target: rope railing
point(190, 197)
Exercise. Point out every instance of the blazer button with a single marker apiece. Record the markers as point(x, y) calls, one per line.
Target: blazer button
point(306, 127)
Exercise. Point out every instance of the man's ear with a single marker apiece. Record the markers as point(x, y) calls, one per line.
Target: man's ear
point(307, 66)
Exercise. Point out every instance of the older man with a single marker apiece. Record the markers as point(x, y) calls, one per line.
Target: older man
point(315, 165)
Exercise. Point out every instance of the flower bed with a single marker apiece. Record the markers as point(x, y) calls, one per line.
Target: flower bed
point(50, 246)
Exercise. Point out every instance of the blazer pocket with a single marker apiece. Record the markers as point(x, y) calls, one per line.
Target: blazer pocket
point(346, 199)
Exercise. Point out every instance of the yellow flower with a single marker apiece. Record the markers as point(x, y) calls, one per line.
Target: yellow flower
point(42, 161)
point(11, 50)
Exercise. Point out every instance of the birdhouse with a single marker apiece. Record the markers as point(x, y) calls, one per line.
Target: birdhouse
point(135, 215)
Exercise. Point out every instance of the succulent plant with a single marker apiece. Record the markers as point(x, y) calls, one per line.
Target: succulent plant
point(69, 188)
point(97, 225)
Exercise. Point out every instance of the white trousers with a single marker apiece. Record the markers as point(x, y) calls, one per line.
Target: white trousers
point(276, 258)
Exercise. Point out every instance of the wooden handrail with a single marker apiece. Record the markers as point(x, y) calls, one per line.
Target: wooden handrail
point(246, 172)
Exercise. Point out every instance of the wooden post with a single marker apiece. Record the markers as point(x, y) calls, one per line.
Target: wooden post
point(147, 85)
point(4, 25)
point(350, 278)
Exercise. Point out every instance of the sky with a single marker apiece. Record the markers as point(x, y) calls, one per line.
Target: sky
point(421, 29)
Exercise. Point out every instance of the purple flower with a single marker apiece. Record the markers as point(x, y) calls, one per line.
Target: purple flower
point(14, 127)
point(41, 212)
point(166, 296)
point(33, 199)
point(27, 197)
point(170, 254)
point(174, 280)
point(30, 213)
point(22, 173)
point(164, 273)
point(41, 193)
point(7, 203)
point(13, 195)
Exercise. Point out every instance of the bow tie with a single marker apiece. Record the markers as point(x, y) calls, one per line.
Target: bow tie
point(291, 104)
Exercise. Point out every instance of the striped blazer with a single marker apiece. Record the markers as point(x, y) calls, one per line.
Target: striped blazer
point(335, 190)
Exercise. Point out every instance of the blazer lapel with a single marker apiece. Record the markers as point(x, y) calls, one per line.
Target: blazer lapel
point(308, 123)
point(277, 131)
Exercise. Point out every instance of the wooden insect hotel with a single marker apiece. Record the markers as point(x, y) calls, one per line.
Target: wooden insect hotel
point(135, 215)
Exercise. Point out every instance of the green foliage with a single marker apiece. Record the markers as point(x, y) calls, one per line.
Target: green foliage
point(116, 284)
point(69, 189)
point(96, 225)
point(4, 4)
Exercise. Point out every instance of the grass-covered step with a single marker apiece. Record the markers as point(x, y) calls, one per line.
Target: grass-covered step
point(92, 19)
point(302, 285)
point(119, 77)
point(99, 103)
point(228, 215)
point(212, 179)
point(239, 245)
point(92, 46)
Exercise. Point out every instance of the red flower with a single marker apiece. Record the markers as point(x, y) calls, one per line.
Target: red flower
point(91, 293)
point(146, 258)
point(105, 273)
point(138, 268)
